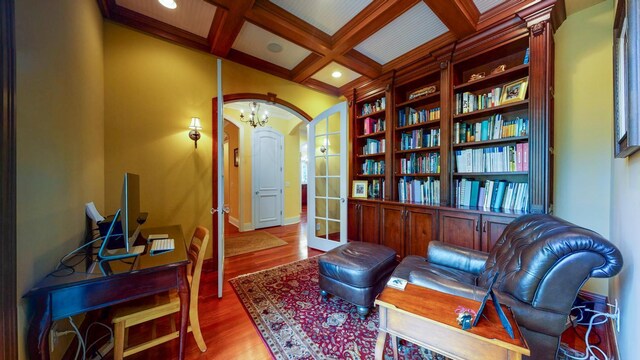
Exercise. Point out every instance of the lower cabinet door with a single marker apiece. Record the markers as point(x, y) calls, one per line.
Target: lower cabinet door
point(421, 228)
point(369, 222)
point(492, 227)
point(459, 228)
point(353, 221)
point(392, 226)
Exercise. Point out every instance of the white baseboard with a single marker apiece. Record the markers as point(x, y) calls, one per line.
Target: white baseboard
point(292, 220)
point(234, 221)
point(247, 227)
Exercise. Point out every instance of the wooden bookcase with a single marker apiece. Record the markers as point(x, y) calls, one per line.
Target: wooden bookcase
point(440, 153)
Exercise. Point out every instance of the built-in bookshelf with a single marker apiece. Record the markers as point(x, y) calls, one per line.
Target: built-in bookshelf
point(370, 143)
point(417, 140)
point(490, 130)
point(467, 139)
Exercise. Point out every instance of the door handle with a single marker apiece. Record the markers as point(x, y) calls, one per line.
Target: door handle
point(225, 209)
point(257, 192)
point(342, 200)
point(484, 226)
point(477, 225)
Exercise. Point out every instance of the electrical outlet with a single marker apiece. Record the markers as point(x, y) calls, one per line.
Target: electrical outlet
point(53, 336)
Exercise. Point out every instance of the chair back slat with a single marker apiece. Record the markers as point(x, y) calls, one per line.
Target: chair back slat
point(195, 253)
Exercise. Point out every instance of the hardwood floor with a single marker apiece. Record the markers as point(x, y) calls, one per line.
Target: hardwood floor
point(226, 327)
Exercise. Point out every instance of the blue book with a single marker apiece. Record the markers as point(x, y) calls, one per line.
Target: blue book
point(484, 130)
point(526, 57)
point(500, 194)
point(475, 192)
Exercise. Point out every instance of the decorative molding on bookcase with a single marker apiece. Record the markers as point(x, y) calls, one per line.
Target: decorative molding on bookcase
point(538, 28)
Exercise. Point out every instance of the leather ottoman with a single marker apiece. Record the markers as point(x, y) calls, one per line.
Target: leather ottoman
point(356, 272)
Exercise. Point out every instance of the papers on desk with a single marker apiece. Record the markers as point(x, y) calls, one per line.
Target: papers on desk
point(397, 283)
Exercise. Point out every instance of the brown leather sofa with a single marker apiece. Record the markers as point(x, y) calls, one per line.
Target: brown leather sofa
point(543, 261)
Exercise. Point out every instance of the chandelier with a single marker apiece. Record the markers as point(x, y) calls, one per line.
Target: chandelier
point(254, 118)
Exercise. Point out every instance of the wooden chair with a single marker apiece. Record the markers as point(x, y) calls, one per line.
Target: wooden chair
point(157, 306)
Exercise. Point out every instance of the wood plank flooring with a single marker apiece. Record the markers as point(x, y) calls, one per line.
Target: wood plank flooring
point(226, 327)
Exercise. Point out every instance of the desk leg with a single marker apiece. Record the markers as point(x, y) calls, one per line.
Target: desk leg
point(39, 329)
point(183, 291)
point(394, 346)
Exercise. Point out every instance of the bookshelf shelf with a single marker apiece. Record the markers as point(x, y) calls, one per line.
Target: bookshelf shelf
point(419, 174)
point(505, 173)
point(419, 100)
point(506, 140)
point(418, 125)
point(425, 149)
point(370, 175)
point(518, 71)
point(370, 155)
point(493, 110)
point(373, 114)
point(372, 135)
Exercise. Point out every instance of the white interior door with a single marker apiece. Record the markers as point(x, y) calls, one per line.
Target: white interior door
point(327, 189)
point(267, 178)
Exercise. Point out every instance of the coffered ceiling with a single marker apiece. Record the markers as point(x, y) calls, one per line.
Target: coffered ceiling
point(309, 41)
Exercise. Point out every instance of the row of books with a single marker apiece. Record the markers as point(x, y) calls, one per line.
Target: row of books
point(374, 146)
point(409, 116)
point(492, 128)
point(424, 191)
point(373, 167)
point(420, 138)
point(376, 189)
point(372, 125)
point(495, 194)
point(508, 158)
point(378, 105)
point(420, 164)
point(467, 102)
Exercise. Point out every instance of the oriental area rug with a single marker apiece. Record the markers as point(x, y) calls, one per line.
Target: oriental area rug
point(295, 323)
point(243, 243)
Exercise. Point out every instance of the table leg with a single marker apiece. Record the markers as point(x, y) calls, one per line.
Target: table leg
point(394, 346)
point(183, 291)
point(39, 329)
point(382, 336)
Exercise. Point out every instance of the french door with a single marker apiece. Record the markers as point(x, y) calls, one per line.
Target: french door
point(327, 190)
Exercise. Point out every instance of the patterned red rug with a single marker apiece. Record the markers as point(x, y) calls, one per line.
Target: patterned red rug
point(285, 305)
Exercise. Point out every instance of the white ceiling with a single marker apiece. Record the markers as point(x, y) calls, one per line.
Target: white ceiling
point(253, 40)
point(194, 16)
point(326, 15)
point(415, 27)
point(324, 75)
point(484, 5)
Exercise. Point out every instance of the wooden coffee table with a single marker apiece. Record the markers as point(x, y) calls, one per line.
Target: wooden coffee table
point(427, 318)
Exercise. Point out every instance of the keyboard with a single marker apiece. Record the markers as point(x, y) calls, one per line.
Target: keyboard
point(160, 246)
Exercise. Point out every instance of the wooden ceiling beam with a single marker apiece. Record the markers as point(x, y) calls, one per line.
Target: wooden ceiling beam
point(373, 18)
point(360, 63)
point(460, 16)
point(309, 66)
point(276, 20)
point(226, 25)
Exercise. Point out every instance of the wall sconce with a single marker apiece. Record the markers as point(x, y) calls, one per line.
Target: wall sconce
point(194, 134)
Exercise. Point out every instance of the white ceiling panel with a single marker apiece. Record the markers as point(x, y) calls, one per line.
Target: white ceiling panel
point(484, 5)
point(254, 40)
point(194, 16)
point(324, 75)
point(415, 27)
point(327, 15)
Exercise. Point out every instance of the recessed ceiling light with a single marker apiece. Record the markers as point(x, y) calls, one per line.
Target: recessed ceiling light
point(169, 4)
point(274, 47)
point(336, 74)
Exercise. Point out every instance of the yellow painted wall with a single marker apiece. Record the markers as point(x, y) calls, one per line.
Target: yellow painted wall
point(233, 179)
point(60, 136)
point(583, 121)
point(152, 89)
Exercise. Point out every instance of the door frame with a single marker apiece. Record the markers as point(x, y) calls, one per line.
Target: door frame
point(8, 225)
point(269, 97)
point(254, 174)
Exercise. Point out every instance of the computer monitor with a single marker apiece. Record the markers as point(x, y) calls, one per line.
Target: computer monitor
point(130, 206)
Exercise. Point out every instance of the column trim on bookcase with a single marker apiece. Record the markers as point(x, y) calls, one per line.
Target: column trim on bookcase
point(539, 115)
point(446, 97)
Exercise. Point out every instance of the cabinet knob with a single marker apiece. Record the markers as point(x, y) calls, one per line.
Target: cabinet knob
point(477, 225)
point(484, 226)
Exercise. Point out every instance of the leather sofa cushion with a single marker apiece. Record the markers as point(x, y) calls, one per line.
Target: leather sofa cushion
point(419, 264)
point(358, 264)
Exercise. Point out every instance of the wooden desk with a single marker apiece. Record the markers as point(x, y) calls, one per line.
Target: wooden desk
point(56, 298)
point(427, 318)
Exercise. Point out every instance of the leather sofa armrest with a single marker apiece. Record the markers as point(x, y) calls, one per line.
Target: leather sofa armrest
point(456, 257)
point(445, 285)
